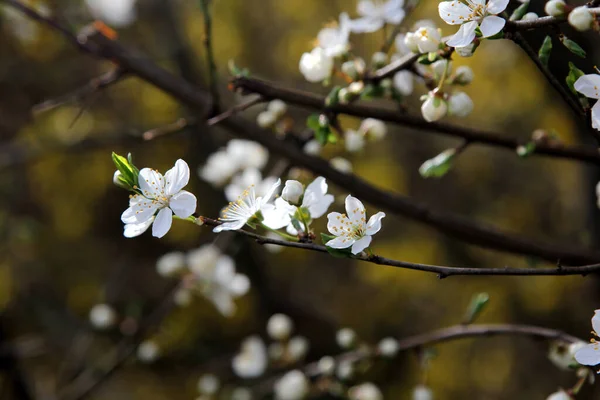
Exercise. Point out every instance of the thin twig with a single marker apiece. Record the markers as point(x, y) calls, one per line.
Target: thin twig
point(213, 83)
point(168, 129)
point(234, 110)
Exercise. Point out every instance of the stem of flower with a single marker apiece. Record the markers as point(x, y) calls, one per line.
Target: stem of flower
point(282, 234)
point(444, 75)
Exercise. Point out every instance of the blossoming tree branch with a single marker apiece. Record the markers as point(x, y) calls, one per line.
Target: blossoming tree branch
point(282, 209)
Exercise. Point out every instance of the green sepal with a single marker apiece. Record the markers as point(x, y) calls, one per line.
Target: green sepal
point(476, 306)
point(519, 12)
point(371, 92)
point(427, 59)
point(574, 74)
point(545, 50)
point(437, 166)
point(478, 32)
point(572, 46)
point(297, 225)
point(129, 172)
point(526, 150)
point(499, 35)
point(339, 253)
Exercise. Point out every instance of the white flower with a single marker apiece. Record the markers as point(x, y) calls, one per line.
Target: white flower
point(102, 316)
point(316, 66)
point(251, 361)
point(292, 191)
point(208, 384)
point(353, 141)
point(114, 12)
point(292, 386)
point(345, 370)
point(220, 284)
point(345, 338)
point(148, 351)
point(475, 14)
point(424, 40)
point(365, 391)
point(162, 194)
point(589, 85)
point(375, 14)
point(433, 108)
point(388, 347)
point(460, 104)
point(422, 392)
point(218, 169)
point(353, 229)
point(170, 264)
point(530, 16)
point(560, 395)
point(277, 107)
point(334, 40)
point(373, 128)
point(463, 75)
point(379, 59)
point(404, 82)
point(312, 148)
point(326, 365)
point(315, 203)
point(203, 258)
point(581, 18)
point(247, 154)
point(297, 348)
point(245, 208)
point(279, 326)
point(248, 177)
point(341, 164)
point(266, 119)
point(590, 354)
point(555, 8)
point(134, 229)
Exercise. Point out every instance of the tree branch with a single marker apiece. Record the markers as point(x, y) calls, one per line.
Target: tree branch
point(213, 83)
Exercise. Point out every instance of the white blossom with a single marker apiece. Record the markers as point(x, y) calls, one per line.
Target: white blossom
point(326, 365)
point(373, 128)
point(277, 107)
point(334, 39)
point(404, 82)
point(345, 370)
point(218, 169)
point(114, 12)
point(245, 179)
point(441, 68)
point(245, 208)
point(388, 347)
point(422, 392)
point(563, 355)
point(463, 75)
point(581, 18)
point(353, 140)
point(279, 326)
point(203, 258)
point(163, 195)
point(424, 40)
point(170, 264)
point(148, 351)
point(297, 348)
point(208, 384)
point(312, 148)
point(102, 316)
point(555, 8)
point(345, 338)
point(316, 66)
point(352, 229)
point(247, 154)
point(241, 393)
point(252, 360)
point(292, 191)
point(466, 51)
point(375, 14)
point(292, 386)
point(266, 119)
point(589, 85)
point(590, 354)
point(460, 104)
point(365, 391)
point(182, 297)
point(434, 108)
point(560, 395)
point(470, 16)
point(530, 16)
point(379, 59)
point(341, 164)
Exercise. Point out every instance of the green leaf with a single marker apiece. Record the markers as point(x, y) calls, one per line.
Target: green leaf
point(519, 12)
point(478, 303)
point(372, 91)
point(437, 166)
point(339, 253)
point(574, 74)
point(478, 32)
point(572, 46)
point(332, 98)
point(545, 49)
point(526, 150)
point(312, 122)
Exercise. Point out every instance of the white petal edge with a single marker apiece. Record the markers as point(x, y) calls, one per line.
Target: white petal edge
point(452, 11)
point(340, 242)
point(596, 116)
point(497, 6)
point(596, 321)
point(133, 230)
point(177, 177)
point(230, 226)
point(162, 223)
point(361, 244)
point(464, 36)
point(318, 209)
point(374, 223)
point(588, 355)
point(354, 209)
point(588, 85)
point(491, 25)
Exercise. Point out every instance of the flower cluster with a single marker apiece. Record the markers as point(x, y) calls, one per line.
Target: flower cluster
point(237, 156)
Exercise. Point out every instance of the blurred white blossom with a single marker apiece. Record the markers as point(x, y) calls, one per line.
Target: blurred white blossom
point(252, 360)
point(334, 39)
point(208, 384)
point(388, 347)
point(341, 164)
point(148, 351)
point(560, 395)
point(292, 386)
point(345, 338)
point(353, 140)
point(171, 264)
point(114, 12)
point(375, 14)
point(102, 316)
point(460, 104)
point(422, 392)
point(297, 348)
point(365, 391)
point(316, 66)
point(280, 326)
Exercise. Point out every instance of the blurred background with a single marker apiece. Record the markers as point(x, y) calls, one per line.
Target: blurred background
point(63, 250)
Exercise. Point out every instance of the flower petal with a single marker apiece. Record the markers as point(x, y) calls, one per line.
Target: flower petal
point(133, 230)
point(361, 244)
point(596, 321)
point(279, 215)
point(224, 270)
point(395, 16)
point(340, 242)
point(128, 216)
point(177, 177)
point(269, 193)
point(404, 82)
point(496, 6)
point(392, 5)
point(355, 210)
point(366, 8)
point(222, 300)
point(374, 224)
point(162, 223)
point(318, 208)
point(454, 12)
point(337, 223)
point(141, 208)
point(318, 187)
point(491, 25)
point(588, 355)
point(230, 226)
point(596, 116)
point(588, 86)
point(183, 204)
point(464, 36)
point(151, 183)
point(366, 25)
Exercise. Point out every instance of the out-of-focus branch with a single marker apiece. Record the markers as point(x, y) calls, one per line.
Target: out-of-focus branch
point(314, 101)
point(213, 83)
point(442, 271)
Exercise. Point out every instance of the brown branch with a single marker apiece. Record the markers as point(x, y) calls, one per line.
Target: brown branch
point(234, 110)
point(460, 227)
point(442, 271)
point(314, 101)
point(544, 21)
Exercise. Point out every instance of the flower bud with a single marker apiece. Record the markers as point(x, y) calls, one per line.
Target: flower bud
point(266, 119)
point(341, 164)
point(349, 68)
point(460, 104)
point(291, 193)
point(182, 297)
point(530, 16)
point(428, 39)
point(354, 141)
point(439, 68)
point(555, 8)
point(345, 370)
point(581, 18)
point(102, 316)
point(277, 108)
point(241, 393)
point(208, 384)
point(365, 391)
point(403, 82)
point(280, 326)
point(297, 348)
point(422, 392)
point(119, 181)
point(326, 365)
point(388, 347)
point(344, 96)
point(316, 66)
point(148, 351)
point(345, 338)
point(292, 386)
point(373, 128)
point(312, 148)
point(356, 88)
point(379, 59)
point(412, 42)
point(464, 75)
point(433, 108)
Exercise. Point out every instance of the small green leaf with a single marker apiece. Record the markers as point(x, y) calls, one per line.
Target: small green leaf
point(437, 166)
point(332, 98)
point(519, 12)
point(545, 50)
point(572, 46)
point(574, 74)
point(478, 303)
point(372, 91)
point(312, 122)
point(129, 174)
point(478, 32)
point(426, 59)
point(526, 150)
